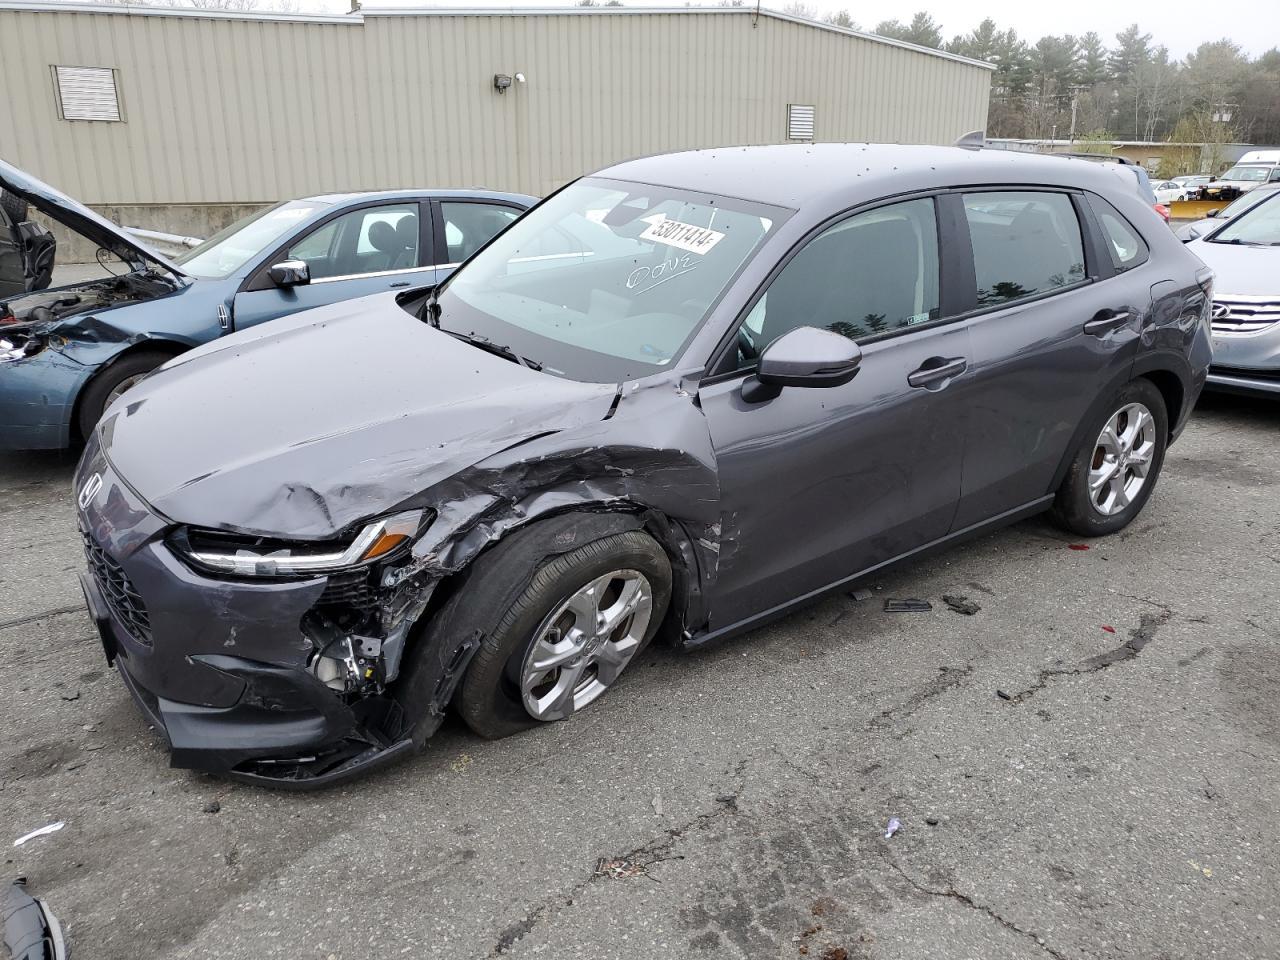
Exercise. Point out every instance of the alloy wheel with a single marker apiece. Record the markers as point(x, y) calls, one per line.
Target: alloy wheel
point(1122, 459)
point(585, 643)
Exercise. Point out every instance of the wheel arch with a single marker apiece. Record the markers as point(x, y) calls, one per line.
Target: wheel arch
point(170, 348)
point(438, 651)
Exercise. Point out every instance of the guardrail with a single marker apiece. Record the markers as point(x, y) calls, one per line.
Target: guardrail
point(165, 242)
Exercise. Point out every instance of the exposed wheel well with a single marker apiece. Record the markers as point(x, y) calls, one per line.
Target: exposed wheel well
point(170, 348)
point(1170, 388)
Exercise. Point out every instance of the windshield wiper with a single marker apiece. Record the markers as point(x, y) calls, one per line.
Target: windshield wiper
point(430, 311)
point(497, 349)
point(1236, 241)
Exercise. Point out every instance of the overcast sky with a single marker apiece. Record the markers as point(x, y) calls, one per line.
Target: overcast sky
point(1178, 24)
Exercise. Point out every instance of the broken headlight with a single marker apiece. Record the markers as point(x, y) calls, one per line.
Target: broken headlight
point(19, 346)
point(246, 556)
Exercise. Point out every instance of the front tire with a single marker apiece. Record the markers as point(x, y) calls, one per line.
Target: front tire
point(113, 381)
point(579, 623)
point(1115, 470)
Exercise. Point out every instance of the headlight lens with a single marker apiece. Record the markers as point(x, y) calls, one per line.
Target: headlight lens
point(19, 346)
point(259, 557)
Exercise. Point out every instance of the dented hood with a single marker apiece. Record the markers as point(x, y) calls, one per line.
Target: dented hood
point(307, 425)
point(75, 215)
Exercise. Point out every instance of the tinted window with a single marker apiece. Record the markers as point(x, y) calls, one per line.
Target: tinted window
point(1127, 249)
point(1025, 243)
point(872, 274)
point(369, 240)
point(468, 226)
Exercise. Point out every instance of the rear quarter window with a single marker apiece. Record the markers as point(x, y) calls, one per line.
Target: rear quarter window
point(1124, 244)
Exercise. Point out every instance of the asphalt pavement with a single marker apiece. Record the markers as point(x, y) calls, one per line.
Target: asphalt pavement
point(1086, 767)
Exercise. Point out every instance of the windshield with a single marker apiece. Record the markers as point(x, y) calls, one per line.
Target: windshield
point(606, 280)
point(227, 251)
point(1244, 202)
point(1258, 226)
point(1247, 174)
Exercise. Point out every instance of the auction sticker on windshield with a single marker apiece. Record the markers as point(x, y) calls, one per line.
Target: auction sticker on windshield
point(684, 236)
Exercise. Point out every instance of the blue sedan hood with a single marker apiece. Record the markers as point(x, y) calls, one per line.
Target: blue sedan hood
point(307, 425)
point(71, 213)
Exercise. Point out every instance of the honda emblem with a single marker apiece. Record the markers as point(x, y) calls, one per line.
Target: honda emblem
point(89, 491)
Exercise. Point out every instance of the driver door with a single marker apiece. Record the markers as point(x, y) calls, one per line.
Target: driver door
point(354, 254)
point(820, 484)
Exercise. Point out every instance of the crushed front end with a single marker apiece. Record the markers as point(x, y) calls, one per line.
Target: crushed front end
point(257, 660)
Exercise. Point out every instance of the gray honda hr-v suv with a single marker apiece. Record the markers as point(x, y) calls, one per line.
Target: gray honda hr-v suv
point(679, 396)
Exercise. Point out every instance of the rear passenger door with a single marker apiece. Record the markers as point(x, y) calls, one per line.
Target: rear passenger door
point(1055, 325)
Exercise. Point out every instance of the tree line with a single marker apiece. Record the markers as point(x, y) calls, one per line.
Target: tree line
point(1130, 89)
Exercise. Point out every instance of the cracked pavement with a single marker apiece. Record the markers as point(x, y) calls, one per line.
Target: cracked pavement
point(1121, 803)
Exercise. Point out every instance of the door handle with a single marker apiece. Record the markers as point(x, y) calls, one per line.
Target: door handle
point(1105, 321)
point(937, 369)
point(399, 283)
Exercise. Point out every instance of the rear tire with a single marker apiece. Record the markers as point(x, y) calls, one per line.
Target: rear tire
point(94, 398)
point(495, 693)
point(1116, 467)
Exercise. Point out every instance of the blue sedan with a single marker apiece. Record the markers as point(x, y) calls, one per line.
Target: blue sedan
point(66, 352)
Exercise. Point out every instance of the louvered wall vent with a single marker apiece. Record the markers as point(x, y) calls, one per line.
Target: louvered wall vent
point(799, 121)
point(87, 93)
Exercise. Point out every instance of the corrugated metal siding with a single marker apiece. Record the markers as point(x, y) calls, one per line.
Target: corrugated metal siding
point(242, 111)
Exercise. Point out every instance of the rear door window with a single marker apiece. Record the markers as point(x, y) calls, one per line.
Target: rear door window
point(1126, 247)
point(469, 226)
point(1025, 244)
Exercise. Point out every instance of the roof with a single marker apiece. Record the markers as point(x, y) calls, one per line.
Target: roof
point(828, 174)
point(1031, 141)
point(466, 193)
point(55, 6)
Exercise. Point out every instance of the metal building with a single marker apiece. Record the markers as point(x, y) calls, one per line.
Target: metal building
point(181, 119)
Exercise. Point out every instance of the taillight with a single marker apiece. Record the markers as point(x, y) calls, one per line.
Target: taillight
point(1163, 211)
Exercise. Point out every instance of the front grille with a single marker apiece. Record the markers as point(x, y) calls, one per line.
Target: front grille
point(355, 587)
point(1244, 373)
point(1236, 316)
point(119, 593)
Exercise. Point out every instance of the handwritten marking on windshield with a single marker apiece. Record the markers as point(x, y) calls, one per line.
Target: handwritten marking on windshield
point(657, 275)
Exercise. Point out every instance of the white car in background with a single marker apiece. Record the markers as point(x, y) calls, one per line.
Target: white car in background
point(1167, 191)
point(1191, 183)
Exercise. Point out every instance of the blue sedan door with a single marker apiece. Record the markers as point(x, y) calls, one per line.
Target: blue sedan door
point(353, 253)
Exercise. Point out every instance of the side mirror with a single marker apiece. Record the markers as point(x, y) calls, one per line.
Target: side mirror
point(290, 273)
point(804, 357)
point(1213, 214)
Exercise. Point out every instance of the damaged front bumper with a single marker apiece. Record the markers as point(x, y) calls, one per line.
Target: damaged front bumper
point(37, 398)
point(226, 670)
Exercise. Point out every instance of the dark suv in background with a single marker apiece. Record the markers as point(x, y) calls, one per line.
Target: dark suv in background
point(681, 395)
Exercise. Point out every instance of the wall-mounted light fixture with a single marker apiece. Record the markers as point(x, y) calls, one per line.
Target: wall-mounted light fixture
point(503, 80)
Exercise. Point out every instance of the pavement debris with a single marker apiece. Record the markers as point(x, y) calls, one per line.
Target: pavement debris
point(960, 604)
point(70, 696)
point(213, 806)
point(910, 605)
point(42, 831)
point(893, 827)
point(1108, 628)
point(1002, 695)
point(861, 594)
point(1077, 546)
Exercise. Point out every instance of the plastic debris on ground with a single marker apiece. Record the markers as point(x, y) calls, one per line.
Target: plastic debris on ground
point(960, 604)
point(893, 827)
point(51, 828)
point(860, 594)
point(1077, 546)
point(31, 931)
point(1108, 628)
point(1002, 695)
point(907, 606)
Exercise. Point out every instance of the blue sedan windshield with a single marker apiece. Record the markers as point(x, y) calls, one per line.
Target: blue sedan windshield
point(227, 251)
